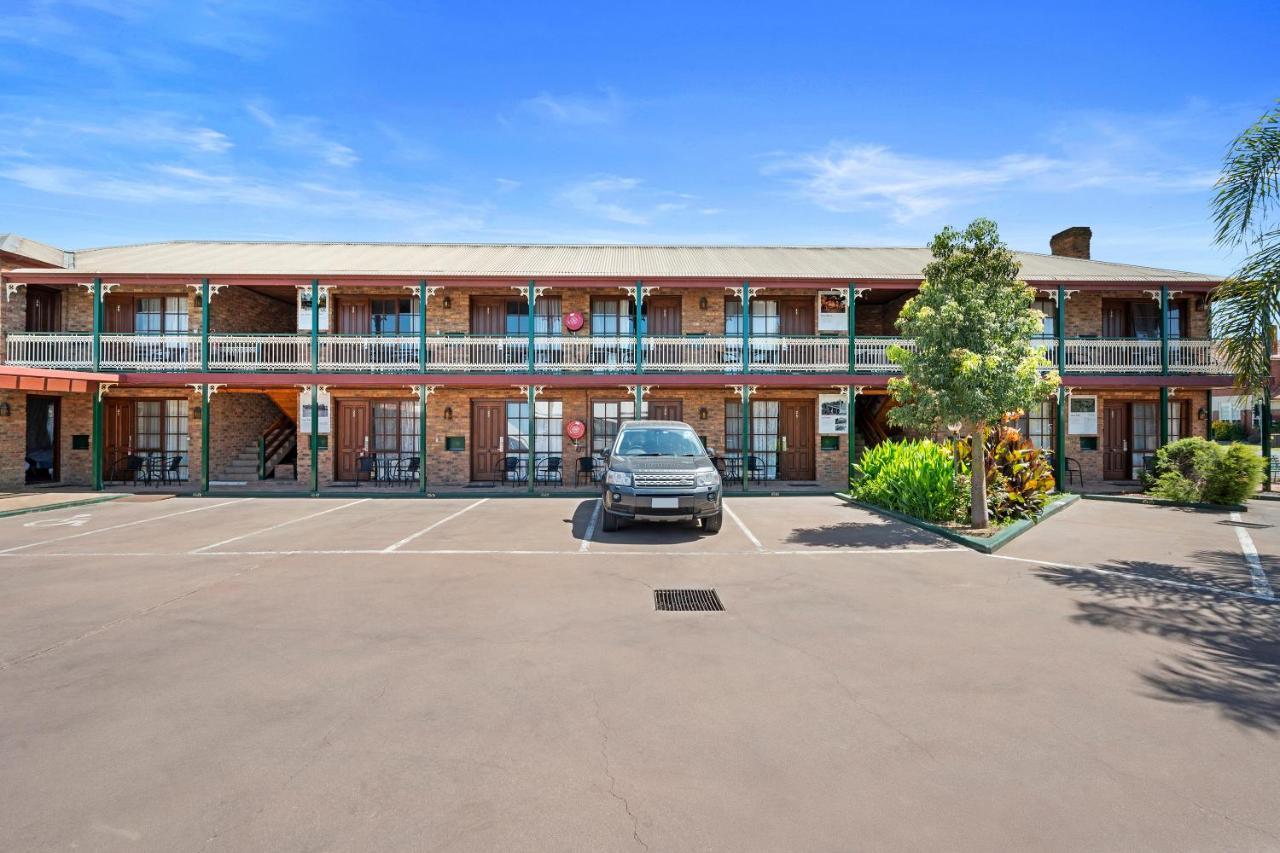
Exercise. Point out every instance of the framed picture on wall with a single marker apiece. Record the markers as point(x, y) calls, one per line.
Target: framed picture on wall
point(833, 311)
point(1082, 415)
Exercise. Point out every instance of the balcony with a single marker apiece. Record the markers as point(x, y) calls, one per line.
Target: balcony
point(291, 353)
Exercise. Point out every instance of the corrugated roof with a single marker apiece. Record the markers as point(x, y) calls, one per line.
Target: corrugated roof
point(427, 260)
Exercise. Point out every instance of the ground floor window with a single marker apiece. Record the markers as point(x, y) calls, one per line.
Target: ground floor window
point(607, 416)
point(1177, 419)
point(762, 439)
point(160, 434)
point(548, 440)
point(394, 439)
point(1146, 433)
point(1037, 424)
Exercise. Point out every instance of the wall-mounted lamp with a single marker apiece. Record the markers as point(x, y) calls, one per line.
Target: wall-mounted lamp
point(702, 303)
point(702, 413)
point(447, 303)
point(448, 413)
point(5, 411)
point(1203, 414)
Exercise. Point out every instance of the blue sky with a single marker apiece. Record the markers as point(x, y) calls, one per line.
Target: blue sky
point(796, 123)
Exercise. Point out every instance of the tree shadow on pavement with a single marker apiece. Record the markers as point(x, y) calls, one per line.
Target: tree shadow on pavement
point(864, 534)
point(1230, 647)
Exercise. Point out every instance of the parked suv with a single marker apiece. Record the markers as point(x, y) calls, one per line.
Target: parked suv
point(659, 471)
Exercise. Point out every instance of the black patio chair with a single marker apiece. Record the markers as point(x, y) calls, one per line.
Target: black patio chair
point(550, 471)
point(511, 470)
point(755, 469)
point(1074, 471)
point(172, 471)
point(727, 475)
point(407, 471)
point(153, 469)
point(586, 469)
point(364, 467)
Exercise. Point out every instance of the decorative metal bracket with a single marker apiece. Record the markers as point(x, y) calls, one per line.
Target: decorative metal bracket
point(107, 288)
point(424, 293)
point(87, 285)
point(11, 287)
point(1173, 389)
point(858, 291)
point(213, 387)
point(102, 389)
point(423, 391)
point(1154, 294)
point(1049, 294)
point(531, 292)
point(633, 390)
point(745, 391)
point(1173, 293)
point(858, 389)
point(537, 389)
point(213, 289)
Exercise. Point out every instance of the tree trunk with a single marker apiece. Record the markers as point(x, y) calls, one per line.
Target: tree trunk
point(978, 485)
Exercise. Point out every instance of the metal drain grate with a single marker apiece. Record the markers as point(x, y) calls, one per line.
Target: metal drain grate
point(686, 599)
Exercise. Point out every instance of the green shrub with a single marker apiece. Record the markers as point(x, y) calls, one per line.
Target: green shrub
point(1195, 470)
point(916, 478)
point(1019, 477)
point(1236, 476)
point(1222, 430)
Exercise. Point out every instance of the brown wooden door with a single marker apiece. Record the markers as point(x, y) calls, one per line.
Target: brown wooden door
point(663, 315)
point(796, 316)
point(117, 313)
point(1116, 458)
point(488, 315)
point(117, 437)
point(1115, 319)
point(488, 439)
point(352, 316)
point(44, 309)
point(352, 436)
point(665, 410)
point(795, 440)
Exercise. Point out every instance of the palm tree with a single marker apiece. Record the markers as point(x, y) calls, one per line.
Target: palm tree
point(1246, 210)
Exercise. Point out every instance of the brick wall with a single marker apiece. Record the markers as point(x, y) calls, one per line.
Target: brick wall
point(1084, 311)
point(238, 309)
point(1091, 460)
point(237, 421)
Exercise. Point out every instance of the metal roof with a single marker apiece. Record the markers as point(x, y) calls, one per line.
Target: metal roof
point(459, 260)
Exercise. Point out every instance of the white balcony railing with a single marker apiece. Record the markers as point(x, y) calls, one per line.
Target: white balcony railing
point(152, 353)
point(260, 353)
point(556, 354)
point(54, 350)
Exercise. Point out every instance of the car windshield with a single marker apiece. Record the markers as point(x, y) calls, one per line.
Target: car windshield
point(659, 442)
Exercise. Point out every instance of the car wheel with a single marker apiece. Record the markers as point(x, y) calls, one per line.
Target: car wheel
point(711, 523)
point(609, 523)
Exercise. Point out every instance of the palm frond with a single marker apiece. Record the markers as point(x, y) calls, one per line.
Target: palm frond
point(1244, 314)
point(1250, 181)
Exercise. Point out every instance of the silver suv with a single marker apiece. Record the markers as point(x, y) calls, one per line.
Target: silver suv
point(659, 471)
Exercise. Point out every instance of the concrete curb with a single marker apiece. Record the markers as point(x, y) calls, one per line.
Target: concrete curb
point(63, 505)
point(984, 544)
point(1127, 499)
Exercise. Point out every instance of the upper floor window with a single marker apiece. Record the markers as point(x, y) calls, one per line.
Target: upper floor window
point(546, 316)
point(160, 315)
point(1049, 314)
point(612, 317)
point(393, 316)
point(765, 319)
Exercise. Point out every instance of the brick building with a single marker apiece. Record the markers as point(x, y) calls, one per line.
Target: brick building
point(311, 367)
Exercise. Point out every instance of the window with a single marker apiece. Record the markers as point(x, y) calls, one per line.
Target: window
point(1177, 417)
point(1174, 319)
point(1049, 311)
point(764, 316)
point(548, 439)
point(606, 417)
point(160, 432)
point(611, 317)
point(546, 316)
point(762, 437)
point(157, 315)
point(1146, 433)
point(1146, 319)
point(1037, 425)
point(393, 316)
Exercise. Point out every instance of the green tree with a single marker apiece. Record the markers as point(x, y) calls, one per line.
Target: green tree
point(1245, 210)
point(974, 359)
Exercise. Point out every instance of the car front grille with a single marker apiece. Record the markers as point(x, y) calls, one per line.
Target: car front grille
point(664, 480)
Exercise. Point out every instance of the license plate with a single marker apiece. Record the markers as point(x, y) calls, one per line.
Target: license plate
point(665, 503)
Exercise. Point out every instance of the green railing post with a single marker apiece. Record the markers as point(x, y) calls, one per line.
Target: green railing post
point(1060, 441)
point(746, 422)
point(639, 334)
point(853, 431)
point(204, 325)
point(533, 296)
point(424, 394)
point(96, 427)
point(315, 335)
point(1060, 324)
point(315, 432)
point(638, 414)
point(96, 320)
point(533, 434)
point(1266, 437)
point(205, 416)
point(1164, 415)
point(746, 338)
point(262, 457)
point(851, 307)
point(1164, 329)
point(422, 342)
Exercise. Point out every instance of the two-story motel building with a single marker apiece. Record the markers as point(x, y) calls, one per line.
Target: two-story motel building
point(427, 369)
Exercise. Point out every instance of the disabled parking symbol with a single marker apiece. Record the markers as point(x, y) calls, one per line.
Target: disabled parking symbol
point(71, 521)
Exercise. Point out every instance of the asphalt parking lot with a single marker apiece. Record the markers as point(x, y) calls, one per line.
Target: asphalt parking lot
point(280, 674)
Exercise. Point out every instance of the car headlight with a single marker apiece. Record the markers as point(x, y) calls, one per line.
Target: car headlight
point(618, 478)
point(709, 477)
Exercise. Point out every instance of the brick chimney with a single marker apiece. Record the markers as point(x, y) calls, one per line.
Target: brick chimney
point(1072, 242)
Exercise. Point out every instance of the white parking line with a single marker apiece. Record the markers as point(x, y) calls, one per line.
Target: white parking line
point(406, 540)
point(664, 551)
point(119, 526)
point(1261, 585)
point(743, 527)
point(591, 528)
point(1196, 587)
point(276, 526)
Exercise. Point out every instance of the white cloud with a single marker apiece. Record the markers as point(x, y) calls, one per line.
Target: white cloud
point(600, 196)
point(301, 134)
point(575, 109)
point(506, 185)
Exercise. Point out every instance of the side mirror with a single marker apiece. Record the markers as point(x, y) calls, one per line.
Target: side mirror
point(604, 454)
point(711, 451)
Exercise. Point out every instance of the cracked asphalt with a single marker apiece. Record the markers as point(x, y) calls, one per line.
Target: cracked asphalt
point(229, 675)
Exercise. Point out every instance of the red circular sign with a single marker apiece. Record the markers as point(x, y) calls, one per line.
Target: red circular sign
point(573, 321)
point(575, 429)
